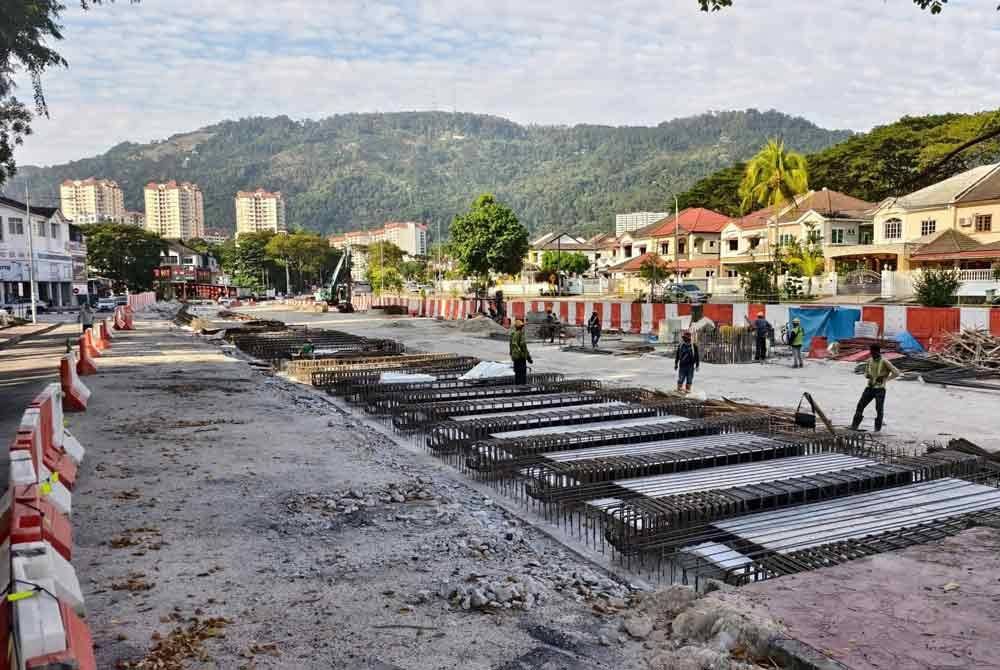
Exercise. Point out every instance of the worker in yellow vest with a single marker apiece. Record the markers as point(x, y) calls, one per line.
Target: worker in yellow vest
point(878, 372)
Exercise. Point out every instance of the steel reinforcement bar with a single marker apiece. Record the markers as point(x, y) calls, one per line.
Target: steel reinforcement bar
point(396, 363)
point(637, 523)
point(423, 408)
point(506, 457)
point(381, 398)
point(339, 382)
point(302, 369)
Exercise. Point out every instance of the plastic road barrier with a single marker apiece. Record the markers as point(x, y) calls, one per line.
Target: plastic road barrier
point(75, 393)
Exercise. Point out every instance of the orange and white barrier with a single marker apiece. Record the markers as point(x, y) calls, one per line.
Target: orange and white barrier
point(75, 392)
point(87, 342)
point(94, 339)
point(86, 365)
point(106, 333)
point(129, 312)
point(49, 634)
point(140, 300)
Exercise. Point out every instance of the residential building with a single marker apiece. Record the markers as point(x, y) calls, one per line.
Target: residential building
point(181, 263)
point(137, 219)
point(598, 249)
point(92, 200)
point(410, 236)
point(687, 245)
point(260, 210)
point(59, 254)
point(216, 235)
point(839, 221)
point(636, 220)
point(175, 210)
point(967, 203)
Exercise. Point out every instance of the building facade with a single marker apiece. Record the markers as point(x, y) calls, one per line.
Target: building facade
point(636, 220)
point(175, 210)
point(216, 236)
point(410, 236)
point(59, 255)
point(92, 201)
point(137, 219)
point(260, 210)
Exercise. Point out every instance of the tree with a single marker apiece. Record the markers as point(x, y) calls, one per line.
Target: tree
point(772, 178)
point(413, 271)
point(564, 261)
point(384, 259)
point(488, 238)
point(935, 6)
point(124, 254)
point(654, 270)
point(307, 253)
point(251, 266)
point(807, 256)
point(28, 27)
point(936, 287)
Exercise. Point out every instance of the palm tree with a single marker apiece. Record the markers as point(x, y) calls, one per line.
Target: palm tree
point(808, 258)
point(773, 178)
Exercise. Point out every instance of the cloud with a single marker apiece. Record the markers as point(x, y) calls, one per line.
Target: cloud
point(142, 72)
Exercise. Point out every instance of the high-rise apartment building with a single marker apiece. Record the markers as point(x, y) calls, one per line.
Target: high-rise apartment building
point(636, 220)
point(409, 236)
point(175, 210)
point(92, 200)
point(260, 210)
point(137, 219)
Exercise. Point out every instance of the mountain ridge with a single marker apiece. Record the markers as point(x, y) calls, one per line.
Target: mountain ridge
point(357, 170)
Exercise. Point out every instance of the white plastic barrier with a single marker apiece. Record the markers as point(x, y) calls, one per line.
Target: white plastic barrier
point(33, 562)
point(23, 473)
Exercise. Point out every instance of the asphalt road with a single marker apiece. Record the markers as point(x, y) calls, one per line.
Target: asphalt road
point(25, 369)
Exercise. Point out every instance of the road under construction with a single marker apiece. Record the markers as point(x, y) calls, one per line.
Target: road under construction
point(672, 489)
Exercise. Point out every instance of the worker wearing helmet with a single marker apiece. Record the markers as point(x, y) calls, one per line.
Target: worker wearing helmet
point(762, 330)
point(686, 361)
point(796, 336)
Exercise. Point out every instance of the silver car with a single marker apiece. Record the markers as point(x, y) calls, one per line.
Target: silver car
point(687, 293)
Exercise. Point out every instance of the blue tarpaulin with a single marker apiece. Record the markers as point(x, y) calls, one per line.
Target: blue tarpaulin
point(907, 343)
point(833, 323)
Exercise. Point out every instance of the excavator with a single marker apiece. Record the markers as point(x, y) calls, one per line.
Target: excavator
point(338, 294)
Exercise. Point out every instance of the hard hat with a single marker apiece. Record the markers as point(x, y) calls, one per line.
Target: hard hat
point(686, 334)
point(796, 320)
point(760, 315)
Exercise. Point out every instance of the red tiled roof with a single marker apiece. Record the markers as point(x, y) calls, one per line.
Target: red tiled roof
point(753, 220)
point(951, 244)
point(634, 264)
point(692, 220)
point(832, 204)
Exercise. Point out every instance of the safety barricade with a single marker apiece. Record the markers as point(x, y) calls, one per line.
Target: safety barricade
point(91, 343)
point(106, 333)
point(48, 634)
point(54, 432)
point(32, 437)
point(128, 312)
point(86, 365)
point(23, 473)
point(75, 393)
point(95, 338)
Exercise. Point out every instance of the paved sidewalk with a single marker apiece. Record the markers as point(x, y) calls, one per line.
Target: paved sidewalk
point(11, 336)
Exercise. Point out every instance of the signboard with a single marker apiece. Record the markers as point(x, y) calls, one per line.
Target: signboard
point(80, 289)
point(13, 271)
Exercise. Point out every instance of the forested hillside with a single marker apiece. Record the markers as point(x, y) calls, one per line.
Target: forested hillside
point(890, 160)
point(358, 170)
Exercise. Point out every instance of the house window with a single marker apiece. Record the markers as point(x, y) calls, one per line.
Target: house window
point(984, 223)
point(16, 226)
point(785, 239)
point(188, 260)
point(734, 245)
point(732, 273)
point(665, 248)
point(928, 226)
point(55, 231)
point(628, 251)
point(893, 229)
point(42, 232)
point(837, 236)
point(681, 244)
point(709, 273)
point(642, 250)
point(711, 244)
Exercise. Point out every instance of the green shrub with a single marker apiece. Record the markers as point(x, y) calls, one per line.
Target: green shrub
point(936, 287)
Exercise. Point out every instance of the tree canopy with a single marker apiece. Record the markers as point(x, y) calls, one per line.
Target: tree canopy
point(489, 239)
point(125, 254)
point(773, 177)
point(565, 261)
point(384, 262)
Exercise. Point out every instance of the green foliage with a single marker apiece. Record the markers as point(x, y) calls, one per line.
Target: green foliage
point(757, 282)
point(124, 254)
point(936, 287)
point(773, 177)
point(489, 238)
point(806, 257)
point(935, 6)
point(573, 263)
point(357, 171)
point(250, 264)
point(655, 271)
point(308, 254)
point(996, 271)
point(384, 260)
point(888, 161)
point(413, 271)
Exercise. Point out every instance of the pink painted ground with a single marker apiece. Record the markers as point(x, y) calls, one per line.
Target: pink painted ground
point(935, 606)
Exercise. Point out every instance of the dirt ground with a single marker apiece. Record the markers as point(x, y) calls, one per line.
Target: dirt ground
point(916, 414)
point(215, 491)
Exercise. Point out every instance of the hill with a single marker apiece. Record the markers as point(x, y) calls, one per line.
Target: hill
point(890, 160)
point(359, 170)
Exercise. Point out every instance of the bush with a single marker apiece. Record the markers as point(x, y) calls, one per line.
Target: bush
point(937, 287)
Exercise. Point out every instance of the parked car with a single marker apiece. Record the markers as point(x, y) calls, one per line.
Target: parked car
point(226, 302)
point(361, 287)
point(686, 293)
point(22, 306)
point(121, 300)
point(107, 304)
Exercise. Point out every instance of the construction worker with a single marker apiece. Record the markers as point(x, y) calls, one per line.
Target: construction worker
point(878, 372)
point(796, 337)
point(552, 324)
point(594, 327)
point(686, 361)
point(86, 317)
point(762, 329)
point(519, 354)
point(307, 350)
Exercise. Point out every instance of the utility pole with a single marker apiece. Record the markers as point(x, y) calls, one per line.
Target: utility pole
point(677, 249)
point(31, 254)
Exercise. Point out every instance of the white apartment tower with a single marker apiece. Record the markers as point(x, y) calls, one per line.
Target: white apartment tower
point(260, 210)
point(636, 220)
point(175, 210)
point(92, 200)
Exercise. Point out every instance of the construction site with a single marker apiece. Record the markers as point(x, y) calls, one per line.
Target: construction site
point(387, 497)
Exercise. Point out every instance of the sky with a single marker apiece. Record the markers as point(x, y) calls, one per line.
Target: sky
point(140, 72)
